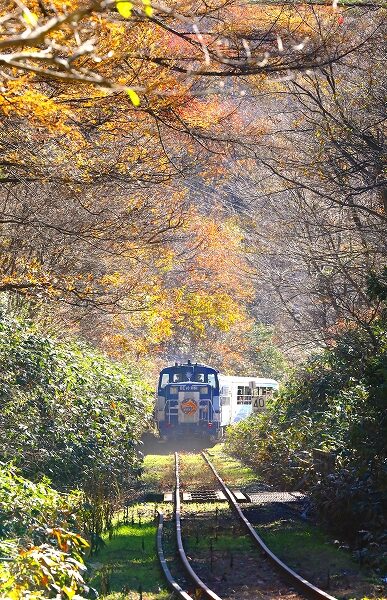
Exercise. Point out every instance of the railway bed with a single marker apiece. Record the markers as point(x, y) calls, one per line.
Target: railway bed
point(217, 495)
point(229, 560)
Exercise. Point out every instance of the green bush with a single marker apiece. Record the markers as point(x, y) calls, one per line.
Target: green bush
point(41, 553)
point(336, 403)
point(69, 413)
point(66, 411)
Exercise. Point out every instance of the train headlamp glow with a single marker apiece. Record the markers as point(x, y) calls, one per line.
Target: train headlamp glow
point(204, 391)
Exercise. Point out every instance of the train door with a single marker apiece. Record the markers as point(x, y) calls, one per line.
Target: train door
point(225, 405)
point(243, 403)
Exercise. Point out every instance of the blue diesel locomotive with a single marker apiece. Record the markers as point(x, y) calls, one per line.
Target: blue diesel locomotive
point(188, 401)
point(196, 400)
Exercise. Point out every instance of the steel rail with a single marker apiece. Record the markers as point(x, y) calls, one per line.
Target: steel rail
point(305, 587)
point(208, 593)
point(174, 586)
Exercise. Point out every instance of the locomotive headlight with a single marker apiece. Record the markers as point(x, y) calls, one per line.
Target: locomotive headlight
point(204, 391)
point(173, 390)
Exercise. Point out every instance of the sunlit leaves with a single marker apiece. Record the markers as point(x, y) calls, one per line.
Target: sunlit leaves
point(134, 98)
point(35, 522)
point(124, 8)
point(148, 10)
point(70, 425)
point(30, 18)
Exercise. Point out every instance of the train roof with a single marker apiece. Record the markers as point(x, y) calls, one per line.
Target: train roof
point(189, 364)
point(245, 380)
point(223, 378)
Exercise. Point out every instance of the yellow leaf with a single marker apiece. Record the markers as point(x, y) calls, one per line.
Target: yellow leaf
point(124, 8)
point(134, 98)
point(148, 10)
point(81, 541)
point(30, 18)
point(70, 592)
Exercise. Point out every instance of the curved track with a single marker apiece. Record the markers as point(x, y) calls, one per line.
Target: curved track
point(163, 563)
point(307, 589)
point(207, 593)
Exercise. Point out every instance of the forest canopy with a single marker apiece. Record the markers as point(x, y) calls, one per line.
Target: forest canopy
point(110, 197)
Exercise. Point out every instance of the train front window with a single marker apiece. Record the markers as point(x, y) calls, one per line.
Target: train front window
point(164, 379)
point(177, 377)
point(199, 376)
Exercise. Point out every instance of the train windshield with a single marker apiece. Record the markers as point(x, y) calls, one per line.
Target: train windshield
point(200, 376)
point(184, 373)
point(177, 377)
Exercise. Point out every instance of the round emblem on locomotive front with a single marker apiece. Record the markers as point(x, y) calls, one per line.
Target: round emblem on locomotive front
point(189, 406)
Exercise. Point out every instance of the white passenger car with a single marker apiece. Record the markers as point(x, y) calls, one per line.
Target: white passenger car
point(241, 396)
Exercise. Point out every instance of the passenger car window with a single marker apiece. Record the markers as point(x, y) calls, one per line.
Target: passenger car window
point(244, 395)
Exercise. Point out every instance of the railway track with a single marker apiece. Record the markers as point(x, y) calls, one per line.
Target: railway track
point(294, 581)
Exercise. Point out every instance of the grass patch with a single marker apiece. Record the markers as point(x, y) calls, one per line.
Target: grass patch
point(128, 562)
point(220, 542)
point(207, 526)
point(158, 474)
point(194, 473)
point(306, 549)
point(299, 543)
point(189, 509)
point(232, 471)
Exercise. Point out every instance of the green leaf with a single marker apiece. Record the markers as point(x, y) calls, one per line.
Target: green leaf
point(124, 8)
point(134, 97)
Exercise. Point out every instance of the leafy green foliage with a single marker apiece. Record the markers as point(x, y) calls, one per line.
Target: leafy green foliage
point(66, 411)
point(38, 539)
point(263, 356)
point(73, 415)
point(27, 509)
point(334, 403)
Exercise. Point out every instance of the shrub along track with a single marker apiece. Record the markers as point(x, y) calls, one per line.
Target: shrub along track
point(223, 562)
